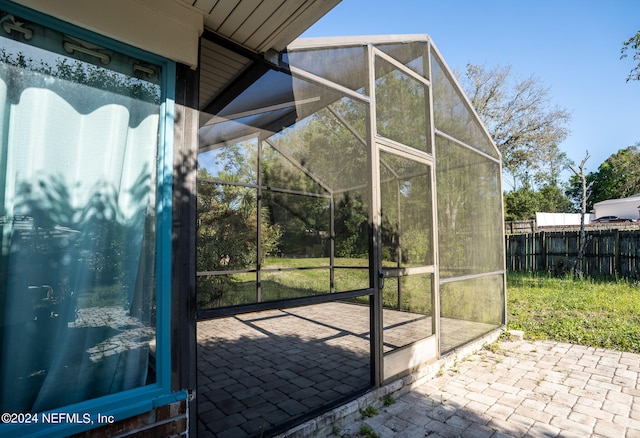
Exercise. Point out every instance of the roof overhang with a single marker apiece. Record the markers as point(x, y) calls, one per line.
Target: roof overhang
point(260, 26)
point(172, 28)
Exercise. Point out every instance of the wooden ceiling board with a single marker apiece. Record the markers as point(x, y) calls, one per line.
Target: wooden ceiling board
point(219, 14)
point(204, 5)
point(265, 33)
point(238, 16)
point(231, 58)
point(264, 12)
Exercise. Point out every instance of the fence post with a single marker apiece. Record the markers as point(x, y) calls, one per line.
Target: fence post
point(543, 251)
point(616, 252)
point(523, 250)
point(531, 251)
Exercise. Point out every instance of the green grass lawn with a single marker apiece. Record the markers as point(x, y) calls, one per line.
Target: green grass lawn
point(598, 313)
point(350, 274)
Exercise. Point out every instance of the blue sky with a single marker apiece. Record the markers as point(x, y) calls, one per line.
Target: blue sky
point(572, 46)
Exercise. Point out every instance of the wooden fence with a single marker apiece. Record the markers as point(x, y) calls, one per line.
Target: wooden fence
point(519, 227)
point(608, 252)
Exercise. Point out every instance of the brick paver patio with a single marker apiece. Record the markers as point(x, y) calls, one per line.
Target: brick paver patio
point(519, 389)
point(259, 372)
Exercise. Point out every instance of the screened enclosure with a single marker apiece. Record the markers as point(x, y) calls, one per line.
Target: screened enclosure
point(349, 227)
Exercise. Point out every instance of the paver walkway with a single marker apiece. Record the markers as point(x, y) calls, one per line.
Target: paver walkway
point(260, 372)
point(522, 388)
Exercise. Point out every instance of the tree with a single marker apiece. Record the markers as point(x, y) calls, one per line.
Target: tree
point(632, 44)
point(227, 221)
point(551, 199)
point(522, 122)
point(583, 211)
point(520, 204)
point(617, 177)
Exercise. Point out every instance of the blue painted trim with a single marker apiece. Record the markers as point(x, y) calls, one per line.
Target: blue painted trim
point(139, 400)
point(164, 207)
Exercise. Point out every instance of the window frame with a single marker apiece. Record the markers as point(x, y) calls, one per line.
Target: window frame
point(135, 401)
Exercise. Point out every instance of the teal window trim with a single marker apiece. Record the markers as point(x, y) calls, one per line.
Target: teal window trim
point(163, 255)
point(143, 399)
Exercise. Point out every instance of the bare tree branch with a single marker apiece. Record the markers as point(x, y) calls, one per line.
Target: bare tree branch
point(524, 125)
point(582, 240)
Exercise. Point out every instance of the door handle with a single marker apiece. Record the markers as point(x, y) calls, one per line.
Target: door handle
point(381, 277)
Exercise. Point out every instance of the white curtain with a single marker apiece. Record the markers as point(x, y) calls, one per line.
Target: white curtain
point(77, 184)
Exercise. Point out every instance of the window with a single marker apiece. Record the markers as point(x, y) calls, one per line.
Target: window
point(81, 212)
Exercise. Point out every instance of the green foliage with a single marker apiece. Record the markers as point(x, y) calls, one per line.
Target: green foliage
point(303, 221)
point(553, 200)
point(103, 296)
point(299, 166)
point(401, 106)
point(598, 313)
point(469, 203)
point(368, 432)
point(369, 411)
point(494, 347)
point(228, 290)
point(617, 177)
point(416, 244)
point(227, 236)
point(633, 45)
point(522, 204)
point(388, 401)
point(415, 297)
point(351, 227)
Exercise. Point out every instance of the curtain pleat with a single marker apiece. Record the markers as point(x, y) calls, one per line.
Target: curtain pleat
point(77, 184)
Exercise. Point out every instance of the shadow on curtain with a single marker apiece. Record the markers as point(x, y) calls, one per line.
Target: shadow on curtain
point(78, 152)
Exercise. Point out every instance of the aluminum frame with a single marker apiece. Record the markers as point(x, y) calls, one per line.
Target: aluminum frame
point(376, 143)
